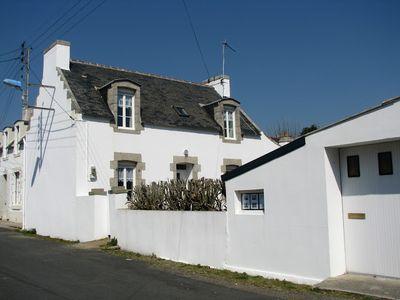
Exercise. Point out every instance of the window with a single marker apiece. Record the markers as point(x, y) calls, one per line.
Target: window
point(252, 201)
point(10, 149)
point(17, 189)
point(231, 168)
point(16, 137)
point(126, 175)
point(181, 111)
point(385, 163)
point(5, 144)
point(125, 107)
point(353, 166)
point(184, 172)
point(229, 122)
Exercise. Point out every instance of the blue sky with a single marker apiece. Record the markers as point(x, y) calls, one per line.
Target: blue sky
point(300, 61)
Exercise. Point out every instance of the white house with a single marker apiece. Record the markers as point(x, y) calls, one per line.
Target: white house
point(112, 129)
point(325, 204)
point(12, 171)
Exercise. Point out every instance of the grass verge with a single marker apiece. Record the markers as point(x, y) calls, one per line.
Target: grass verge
point(228, 277)
point(32, 233)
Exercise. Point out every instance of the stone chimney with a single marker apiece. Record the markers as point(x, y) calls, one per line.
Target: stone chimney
point(222, 84)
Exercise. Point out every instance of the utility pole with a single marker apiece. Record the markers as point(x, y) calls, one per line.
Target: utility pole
point(25, 60)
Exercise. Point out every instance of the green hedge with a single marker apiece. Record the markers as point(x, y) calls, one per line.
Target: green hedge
point(197, 195)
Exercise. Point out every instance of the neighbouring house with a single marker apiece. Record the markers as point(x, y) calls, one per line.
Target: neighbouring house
point(12, 171)
point(323, 205)
point(111, 129)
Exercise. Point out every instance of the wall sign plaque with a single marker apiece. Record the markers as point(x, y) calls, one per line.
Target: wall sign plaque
point(357, 216)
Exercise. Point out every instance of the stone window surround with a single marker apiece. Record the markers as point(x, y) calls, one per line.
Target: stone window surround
point(219, 118)
point(132, 157)
point(193, 160)
point(229, 161)
point(112, 100)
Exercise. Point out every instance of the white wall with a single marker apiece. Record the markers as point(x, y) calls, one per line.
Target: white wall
point(300, 235)
point(184, 236)
point(51, 155)
point(157, 146)
point(91, 218)
point(289, 241)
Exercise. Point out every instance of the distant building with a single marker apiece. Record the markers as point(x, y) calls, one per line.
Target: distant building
point(12, 175)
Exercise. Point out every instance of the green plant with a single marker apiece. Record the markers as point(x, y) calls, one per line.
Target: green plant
point(113, 242)
point(198, 195)
point(31, 231)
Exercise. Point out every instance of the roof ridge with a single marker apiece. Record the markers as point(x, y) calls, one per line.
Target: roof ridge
point(137, 72)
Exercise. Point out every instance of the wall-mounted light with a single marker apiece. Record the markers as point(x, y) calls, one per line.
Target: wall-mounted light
point(186, 153)
point(93, 173)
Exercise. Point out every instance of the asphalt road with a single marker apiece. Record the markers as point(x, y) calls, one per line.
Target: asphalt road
point(32, 268)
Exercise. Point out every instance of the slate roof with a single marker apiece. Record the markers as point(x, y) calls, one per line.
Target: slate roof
point(158, 96)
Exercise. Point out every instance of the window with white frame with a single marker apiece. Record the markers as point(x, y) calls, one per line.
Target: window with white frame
point(16, 137)
point(229, 122)
point(125, 108)
point(252, 200)
point(16, 200)
point(126, 174)
point(5, 144)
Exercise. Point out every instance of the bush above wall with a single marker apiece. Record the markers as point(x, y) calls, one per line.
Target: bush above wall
point(196, 195)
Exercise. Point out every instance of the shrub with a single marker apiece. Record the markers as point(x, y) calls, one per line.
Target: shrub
point(200, 195)
point(113, 242)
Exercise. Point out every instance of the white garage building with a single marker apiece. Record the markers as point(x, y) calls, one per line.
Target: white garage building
point(326, 204)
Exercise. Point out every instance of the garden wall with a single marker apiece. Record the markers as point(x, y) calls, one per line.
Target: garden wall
point(185, 236)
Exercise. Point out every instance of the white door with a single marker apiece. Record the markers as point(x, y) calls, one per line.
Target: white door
point(370, 177)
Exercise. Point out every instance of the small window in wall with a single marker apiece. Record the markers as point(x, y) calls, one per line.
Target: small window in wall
point(229, 122)
point(17, 189)
point(385, 163)
point(353, 166)
point(184, 172)
point(252, 201)
point(231, 168)
point(126, 175)
point(125, 108)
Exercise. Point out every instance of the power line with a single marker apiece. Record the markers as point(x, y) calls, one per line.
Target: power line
point(75, 24)
point(52, 97)
point(84, 17)
point(65, 22)
point(10, 59)
point(9, 52)
point(55, 22)
point(3, 118)
point(195, 37)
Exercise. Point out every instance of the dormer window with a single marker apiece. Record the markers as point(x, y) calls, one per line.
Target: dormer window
point(229, 122)
point(125, 108)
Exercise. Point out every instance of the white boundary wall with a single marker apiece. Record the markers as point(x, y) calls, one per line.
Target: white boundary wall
point(184, 236)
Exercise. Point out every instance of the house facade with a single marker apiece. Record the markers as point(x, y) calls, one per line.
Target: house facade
point(12, 171)
point(111, 129)
point(323, 205)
